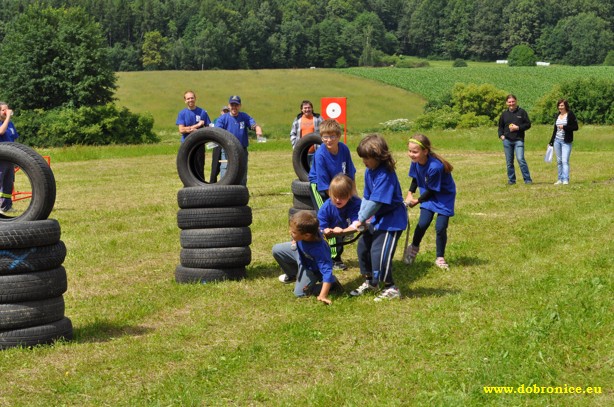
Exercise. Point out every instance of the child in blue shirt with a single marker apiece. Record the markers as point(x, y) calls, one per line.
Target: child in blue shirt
point(432, 173)
point(339, 214)
point(306, 258)
point(328, 162)
point(383, 215)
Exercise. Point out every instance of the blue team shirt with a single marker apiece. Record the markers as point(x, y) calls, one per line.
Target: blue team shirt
point(433, 176)
point(383, 186)
point(10, 134)
point(315, 256)
point(330, 216)
point(326, 166)
point(189, 117)
point(237, 125)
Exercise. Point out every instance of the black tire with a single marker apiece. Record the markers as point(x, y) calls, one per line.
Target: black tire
point(215, 237)
point(37, 335)
point(213, 196)
point(198, 275)
point(221, 257)
point(302, 202)
point(237, 162)
point(26, 234)
point(204, 218)
point(300, 159)
point(36, 258)
point(31, 313)
point(301, 188)
point(41, 179)
point(33, 286)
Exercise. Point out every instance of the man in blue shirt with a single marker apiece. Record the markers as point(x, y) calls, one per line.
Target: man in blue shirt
point(238, 123)
point(191, 119)
point(8, 133)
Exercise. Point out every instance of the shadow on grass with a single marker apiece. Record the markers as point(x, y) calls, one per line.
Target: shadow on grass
point(104, 331)
point(263, 271)
point(467, 261)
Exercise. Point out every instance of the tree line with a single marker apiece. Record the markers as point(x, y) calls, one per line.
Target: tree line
point(250, 34)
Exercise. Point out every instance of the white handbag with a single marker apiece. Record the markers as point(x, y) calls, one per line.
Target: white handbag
point(548, 155)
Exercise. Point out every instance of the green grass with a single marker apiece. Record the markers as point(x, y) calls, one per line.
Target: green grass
point(529, 84)
point(272, 97)
point(527, 300)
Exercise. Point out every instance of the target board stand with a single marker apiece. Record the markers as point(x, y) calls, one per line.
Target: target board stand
point(335, 108)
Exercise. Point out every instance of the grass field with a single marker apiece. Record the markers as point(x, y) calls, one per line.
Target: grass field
point(527, 302)
point(529, 84)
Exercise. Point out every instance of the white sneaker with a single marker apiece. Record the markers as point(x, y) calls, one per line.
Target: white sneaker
point(559, 182)
point(284, 278)
point(565, 182)
point(364, 287)
point(8, 211)
point(389, 293)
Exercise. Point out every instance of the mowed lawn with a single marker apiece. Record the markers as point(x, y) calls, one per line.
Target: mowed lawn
point(527, 301)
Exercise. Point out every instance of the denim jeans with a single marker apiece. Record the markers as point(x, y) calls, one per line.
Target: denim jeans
point(224, 165)
point(563, 151)
point(306, 280)
point(511, 148)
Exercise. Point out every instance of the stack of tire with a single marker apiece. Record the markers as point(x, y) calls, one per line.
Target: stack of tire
point(32, 278)
point(213, 216)
point(301, 196)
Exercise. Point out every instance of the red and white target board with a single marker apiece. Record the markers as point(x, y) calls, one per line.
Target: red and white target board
point(335, 108)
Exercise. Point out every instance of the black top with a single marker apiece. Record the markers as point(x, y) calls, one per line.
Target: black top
point(572, 125)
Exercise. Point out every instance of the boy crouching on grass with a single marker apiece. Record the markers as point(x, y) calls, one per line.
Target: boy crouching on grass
point(306, 258)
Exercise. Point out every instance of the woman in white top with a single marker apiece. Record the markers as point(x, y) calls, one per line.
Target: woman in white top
point(565, 123)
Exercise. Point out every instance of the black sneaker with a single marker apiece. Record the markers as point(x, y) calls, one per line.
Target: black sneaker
point(286, 279)
point(339, 265)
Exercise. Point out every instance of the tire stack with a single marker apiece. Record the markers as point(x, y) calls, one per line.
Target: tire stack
point(32, 278)
point(213, 217)
point(301, 196)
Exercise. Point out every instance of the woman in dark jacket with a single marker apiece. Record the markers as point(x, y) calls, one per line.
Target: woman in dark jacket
point(565, 123)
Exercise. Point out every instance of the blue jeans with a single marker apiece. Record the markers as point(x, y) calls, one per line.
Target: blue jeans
point(517, 147)
point(441, 230)
point(306, 280)
point(563, 151)
point(7, 178)
point(224, 165)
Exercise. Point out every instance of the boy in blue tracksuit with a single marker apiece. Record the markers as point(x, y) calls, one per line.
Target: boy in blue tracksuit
point(306, 258)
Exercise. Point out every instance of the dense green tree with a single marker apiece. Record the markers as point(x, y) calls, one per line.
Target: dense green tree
point(455, 33)
point(288, 33)
point(521, 55)
point(523, 22)
point(55, 57)
point(424, 27)
point(487, 30)
point(583, 39)
point(155, 51)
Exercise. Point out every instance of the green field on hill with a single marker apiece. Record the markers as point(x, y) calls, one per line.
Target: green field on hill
point(272, 97)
